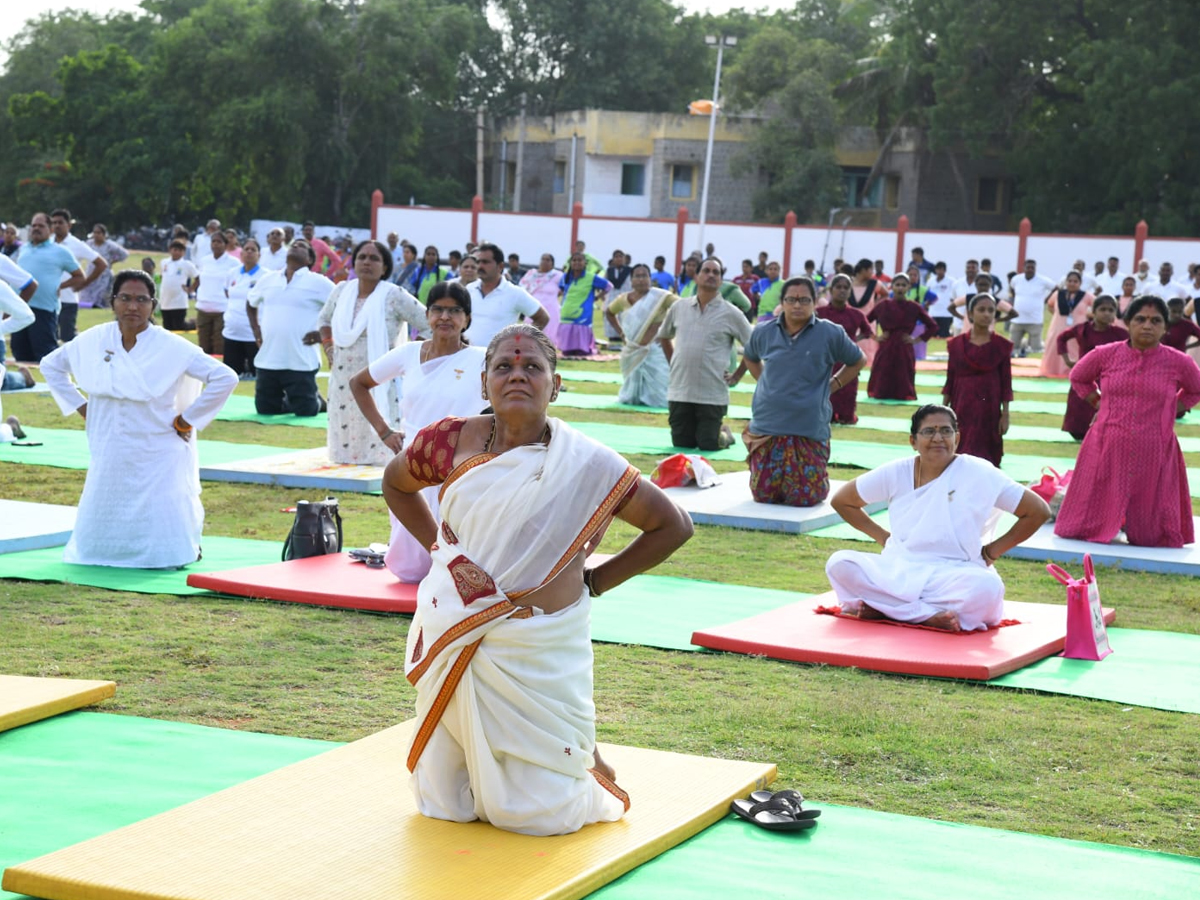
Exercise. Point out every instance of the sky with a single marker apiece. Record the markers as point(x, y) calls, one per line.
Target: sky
point(10, 24)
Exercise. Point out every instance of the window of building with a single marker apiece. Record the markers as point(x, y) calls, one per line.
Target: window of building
point(560, 176)
point(854, 192)
point(633, 179)
point(891, 192)
point(989, 195)
point(683, 182)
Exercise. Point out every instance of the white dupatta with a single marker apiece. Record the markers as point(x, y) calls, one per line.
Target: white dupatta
point(348, 328)
point(510, 523)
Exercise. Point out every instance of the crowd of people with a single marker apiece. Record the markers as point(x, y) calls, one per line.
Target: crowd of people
point(443, 370)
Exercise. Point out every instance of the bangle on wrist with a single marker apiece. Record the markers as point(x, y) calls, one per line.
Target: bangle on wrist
point(182, 429)
point(983, 551)
point(387, 434)
point(589, 581)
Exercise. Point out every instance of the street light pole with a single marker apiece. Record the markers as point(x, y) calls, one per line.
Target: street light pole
point(721, 42)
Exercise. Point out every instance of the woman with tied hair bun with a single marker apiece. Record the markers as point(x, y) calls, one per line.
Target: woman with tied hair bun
point(1130, 475)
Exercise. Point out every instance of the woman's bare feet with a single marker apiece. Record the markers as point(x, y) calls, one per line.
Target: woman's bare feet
point(27, 375)
point(602, 767)
point(869, 612)
point(945, 620)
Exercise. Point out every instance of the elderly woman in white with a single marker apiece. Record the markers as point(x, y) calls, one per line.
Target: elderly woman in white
point(935, 569)
point(142, 403)
point(362, 320)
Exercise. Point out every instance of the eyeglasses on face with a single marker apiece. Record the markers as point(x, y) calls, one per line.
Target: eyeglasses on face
point(436, 312)
point(799, 301)
point(945, 431)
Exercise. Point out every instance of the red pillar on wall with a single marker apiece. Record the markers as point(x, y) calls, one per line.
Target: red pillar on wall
point(1024, 230)
point(376, 202)
point(901, 233)
point(1140, 233)
point(576, 215)
point(476, 209)
point(789, 223)
point(681, 219)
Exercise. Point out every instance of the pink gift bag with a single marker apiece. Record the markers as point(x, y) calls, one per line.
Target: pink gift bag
point(1087, 638)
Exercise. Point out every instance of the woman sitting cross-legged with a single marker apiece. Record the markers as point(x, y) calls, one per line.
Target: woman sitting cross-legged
point(935, 569)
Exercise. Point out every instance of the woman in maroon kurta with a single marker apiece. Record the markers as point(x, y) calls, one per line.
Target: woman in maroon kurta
point(845, 401)
point(1088, 336)
point(979, 382)
point(1130, 474)
point(894, 368)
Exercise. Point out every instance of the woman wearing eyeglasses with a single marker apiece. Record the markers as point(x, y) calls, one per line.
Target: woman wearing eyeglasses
point(797, 359)
point(935, 569)
point(438, 377)
point(140, 405)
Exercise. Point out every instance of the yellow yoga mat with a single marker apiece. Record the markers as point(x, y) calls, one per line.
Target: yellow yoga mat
point(343, 825)
point(24, 699)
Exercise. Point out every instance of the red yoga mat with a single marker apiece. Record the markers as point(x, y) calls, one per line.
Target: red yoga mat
point(798, 634)
point(320, 580)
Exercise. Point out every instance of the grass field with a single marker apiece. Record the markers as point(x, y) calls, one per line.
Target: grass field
point(1053, 765)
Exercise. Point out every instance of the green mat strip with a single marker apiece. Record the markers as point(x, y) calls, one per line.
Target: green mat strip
point(220, 554)
point(80, 775)
point(241, 409)
point(77, 776)
point(660, 611)
point(68, 449)
point(855, 853)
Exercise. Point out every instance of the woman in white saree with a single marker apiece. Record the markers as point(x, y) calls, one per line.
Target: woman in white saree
point(636, 315)
point(499, 650)
point(143, 403)
point(935, 569)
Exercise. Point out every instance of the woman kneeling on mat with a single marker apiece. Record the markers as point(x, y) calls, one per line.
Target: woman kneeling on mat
point(500, 649)
point(935, 569)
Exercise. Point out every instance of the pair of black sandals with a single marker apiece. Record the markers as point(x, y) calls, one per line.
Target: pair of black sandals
point(777, 810)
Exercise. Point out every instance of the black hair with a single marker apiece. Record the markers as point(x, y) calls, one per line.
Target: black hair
point(497, 253)
point(864, 265)
point(388, 263)
point(841, 276)
point(715, 259)
point(62, 213)
point(975, 298)
point(133, 275)
point(452, 289)
point(1105, 298)
point(1143, 300)
point(641, 266)
point(931, 409)
point(801, 280)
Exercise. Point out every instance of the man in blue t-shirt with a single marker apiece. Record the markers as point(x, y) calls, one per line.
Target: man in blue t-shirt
point(47, 262)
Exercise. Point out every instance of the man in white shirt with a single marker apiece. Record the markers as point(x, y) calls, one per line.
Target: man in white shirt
point(497, 302)
point(288, 357)
point(1165, 286)
point(1086, 281)
point(942, 287)
point(60, 225)
point(201, 246)
point(966, 284)
point(211, 301)
point(23, 286)
point(177, 277)
point(1111, 278)
point(274, 255)
point(1142, 277)
point(1030, 292)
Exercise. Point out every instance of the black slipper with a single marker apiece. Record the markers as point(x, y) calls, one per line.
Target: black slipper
point(776, 814)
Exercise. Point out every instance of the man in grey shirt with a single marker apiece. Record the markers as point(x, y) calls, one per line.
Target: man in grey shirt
point(697, 337)
point(798, 359)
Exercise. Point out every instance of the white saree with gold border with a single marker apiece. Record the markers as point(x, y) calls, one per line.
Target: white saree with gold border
point(506, 722)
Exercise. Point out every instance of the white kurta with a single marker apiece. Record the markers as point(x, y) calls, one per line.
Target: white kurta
point(932, 562)
point(140, 506)
point(443, 387)
point(508, 737)
point(19, 316)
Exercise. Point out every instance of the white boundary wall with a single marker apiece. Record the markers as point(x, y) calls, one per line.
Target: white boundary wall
point(531, 234)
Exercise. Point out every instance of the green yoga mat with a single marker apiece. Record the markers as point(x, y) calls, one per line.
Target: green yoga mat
point(1160, 669)
point(220, 554)
point(241, 409)
point(1049, 407)
point(77, 776)
point(653, 441)
point(923, 379)
point(577, 400)
point(854, 854)
point(660, 611)
point(68, 449)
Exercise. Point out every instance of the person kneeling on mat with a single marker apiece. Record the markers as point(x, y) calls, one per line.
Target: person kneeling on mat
point(935, 569)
